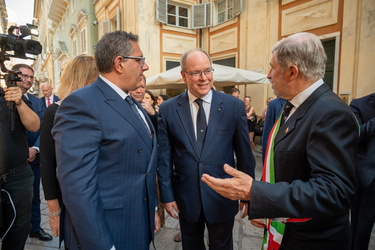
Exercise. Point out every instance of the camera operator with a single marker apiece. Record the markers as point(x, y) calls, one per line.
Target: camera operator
point(16, 176)
point(27, 76)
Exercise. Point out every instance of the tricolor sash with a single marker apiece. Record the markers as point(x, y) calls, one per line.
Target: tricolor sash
point(275, 226)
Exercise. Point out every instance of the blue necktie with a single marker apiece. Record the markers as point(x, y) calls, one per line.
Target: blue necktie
point(129, 99)
point(201, 124)
point(287, 108)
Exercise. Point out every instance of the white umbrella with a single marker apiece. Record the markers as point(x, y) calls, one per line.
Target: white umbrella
point(223, 76)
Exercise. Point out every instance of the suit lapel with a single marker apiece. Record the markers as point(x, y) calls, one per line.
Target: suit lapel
point(184, 113)
point(216, 113)
point(288, 127)
point(121, 107)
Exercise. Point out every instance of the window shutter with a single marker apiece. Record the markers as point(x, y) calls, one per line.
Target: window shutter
point(238, 7)
point(161, 10)
point(202, 15)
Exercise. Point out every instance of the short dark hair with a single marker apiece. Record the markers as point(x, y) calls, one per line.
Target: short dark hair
point(17, 67)
point(111, 45)
point(164, 97)
point(234, 90)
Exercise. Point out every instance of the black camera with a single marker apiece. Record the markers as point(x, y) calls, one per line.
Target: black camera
point(14, 41)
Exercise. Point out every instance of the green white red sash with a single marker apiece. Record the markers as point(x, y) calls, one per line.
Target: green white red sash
point(275, 226)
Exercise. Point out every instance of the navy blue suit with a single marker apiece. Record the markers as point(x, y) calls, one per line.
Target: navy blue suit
point(273, 112)
point(34, 141)
point(106, 167)
point(180, 164)
point(363, 211)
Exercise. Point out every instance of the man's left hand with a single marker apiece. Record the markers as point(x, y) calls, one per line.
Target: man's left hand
point(157, 222)
point(32, 154)
point(236, 188)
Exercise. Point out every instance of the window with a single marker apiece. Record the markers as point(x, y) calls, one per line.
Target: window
point(83, 41)
point(73, 37)
point(197, 16)
point(177, 16)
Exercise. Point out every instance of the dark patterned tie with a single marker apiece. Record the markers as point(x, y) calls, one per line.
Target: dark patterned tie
point(201, 124)
point(287, 108)
point(129, 99)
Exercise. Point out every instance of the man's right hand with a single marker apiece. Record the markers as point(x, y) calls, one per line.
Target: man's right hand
point(172, 209)
point(13, 94)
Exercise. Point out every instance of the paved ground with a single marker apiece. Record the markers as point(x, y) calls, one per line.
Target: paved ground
point(246, 236)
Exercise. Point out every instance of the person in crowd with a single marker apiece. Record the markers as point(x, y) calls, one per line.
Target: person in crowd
point(273, 112)
point(15, 172)
point(150, 98)
point(251, 120)
point(309, 180)
point(106, 154)
point(161, 99)
point(139, 95)
point(33, 138)
point(363, 210)
point(199, 131)
point(48, 96)
point(235, 92)
point(77, 73)
point(264, 113)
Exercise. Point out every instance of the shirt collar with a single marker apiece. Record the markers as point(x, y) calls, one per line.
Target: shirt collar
point(301, 97)
point(119, 91)
point(207, 98)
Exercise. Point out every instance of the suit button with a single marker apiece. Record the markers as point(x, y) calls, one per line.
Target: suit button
point(139, 150)
point(144, 199)
point(201, 165)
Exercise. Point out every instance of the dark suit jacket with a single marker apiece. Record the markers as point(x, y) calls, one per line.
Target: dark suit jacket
point(314, 158)
point(33, 138)
point(106, 167)
point(364, 110)
point(55, 99)
point(227, 132)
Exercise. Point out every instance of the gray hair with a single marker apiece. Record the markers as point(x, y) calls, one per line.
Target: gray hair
point(111, 45)
point(183, 57)
point(305, 50)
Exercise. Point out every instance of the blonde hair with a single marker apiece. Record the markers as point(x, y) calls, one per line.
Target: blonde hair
point(77, 73)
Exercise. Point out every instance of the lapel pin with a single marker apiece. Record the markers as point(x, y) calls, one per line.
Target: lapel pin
point(286, 130)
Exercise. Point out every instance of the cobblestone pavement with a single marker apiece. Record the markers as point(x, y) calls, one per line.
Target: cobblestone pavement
point(245, 236)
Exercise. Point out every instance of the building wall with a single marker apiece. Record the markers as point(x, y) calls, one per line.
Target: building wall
point(249, 37)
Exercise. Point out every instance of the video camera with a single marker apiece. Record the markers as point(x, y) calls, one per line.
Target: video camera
point(15, 41)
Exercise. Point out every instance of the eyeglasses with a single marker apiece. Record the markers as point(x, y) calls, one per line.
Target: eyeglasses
point(141, 59)
point(207, 72)
point(24, 77)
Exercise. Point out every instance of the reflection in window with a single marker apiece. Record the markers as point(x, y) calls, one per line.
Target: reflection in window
point(178, 16)
point(225, 9)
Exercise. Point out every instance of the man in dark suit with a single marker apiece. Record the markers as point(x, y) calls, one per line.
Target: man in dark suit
point(310, 162)
point(33, 138)
point(106, 154)
point(363, 210)
point(48, 97)
point(188, 150)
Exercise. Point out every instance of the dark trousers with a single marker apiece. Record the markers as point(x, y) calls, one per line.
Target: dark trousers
point(35, 207)
point(20, 188)
point(363, 216)
point(220, 235)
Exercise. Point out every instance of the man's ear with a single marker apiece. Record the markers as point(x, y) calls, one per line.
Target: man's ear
point(183, 74)
point(293, 72)
point(118, 64)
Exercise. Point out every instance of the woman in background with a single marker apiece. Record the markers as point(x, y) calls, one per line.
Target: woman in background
point(78, 72)
point(149, 96)
point(251, 119)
